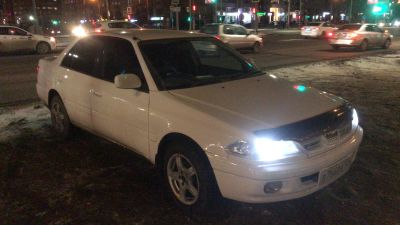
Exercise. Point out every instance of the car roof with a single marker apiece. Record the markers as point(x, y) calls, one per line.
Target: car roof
point(150, 34)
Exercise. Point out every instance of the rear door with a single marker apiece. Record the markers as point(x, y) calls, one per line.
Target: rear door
point(120, 114)
point(76, 77)
point(4, 40)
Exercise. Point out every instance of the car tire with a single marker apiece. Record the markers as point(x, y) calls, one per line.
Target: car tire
point(387, 44)
point(335, 47)
point(364, 45)
point(189, 178)
point(59, 118)
point(43, 48)
point(256, 47)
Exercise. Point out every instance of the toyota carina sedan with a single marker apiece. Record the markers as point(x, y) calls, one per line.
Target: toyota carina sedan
point(212, 122)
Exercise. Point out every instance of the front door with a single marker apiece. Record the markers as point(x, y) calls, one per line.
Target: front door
point(120, 114)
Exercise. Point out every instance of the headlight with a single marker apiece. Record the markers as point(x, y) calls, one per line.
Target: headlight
point(270, 150)
point(79, 31)
point(264, 149)
point(52, 39)
point(355, 118)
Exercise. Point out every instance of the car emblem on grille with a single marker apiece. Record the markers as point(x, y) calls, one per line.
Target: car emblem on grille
point(331, 134)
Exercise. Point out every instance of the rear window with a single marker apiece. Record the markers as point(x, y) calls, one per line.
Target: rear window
point(209, 29)
point(314, 24)
point(350, 27)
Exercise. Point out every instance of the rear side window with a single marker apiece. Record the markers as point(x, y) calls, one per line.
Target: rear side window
point(350, 27)
point(83, 56)
point(3, 30)
point(210, 29)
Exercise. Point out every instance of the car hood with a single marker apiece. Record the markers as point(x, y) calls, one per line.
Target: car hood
point(258, 103)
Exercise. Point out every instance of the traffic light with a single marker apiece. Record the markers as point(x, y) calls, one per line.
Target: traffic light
point(189, 19)
point(194, 8)
point(253, 10)
point(55, 22)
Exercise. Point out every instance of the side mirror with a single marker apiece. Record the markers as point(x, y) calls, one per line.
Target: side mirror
point(127, 81)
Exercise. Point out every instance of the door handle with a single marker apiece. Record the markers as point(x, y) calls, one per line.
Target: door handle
point(97, 94)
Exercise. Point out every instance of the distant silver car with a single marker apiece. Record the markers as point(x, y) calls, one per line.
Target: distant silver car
point(235, 35)
point(114, 25)
point(361, 36)
point(14, 39)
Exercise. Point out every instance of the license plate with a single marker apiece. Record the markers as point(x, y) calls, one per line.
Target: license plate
point(342, 41)
point(335, 171)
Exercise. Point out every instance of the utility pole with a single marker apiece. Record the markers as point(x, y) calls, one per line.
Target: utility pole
point(288, 15)
point(36, 19)
point(351, 11)
point(108, 10)
point(301, 13)
point(190, 15)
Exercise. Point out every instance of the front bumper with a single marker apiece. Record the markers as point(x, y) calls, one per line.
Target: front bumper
point(298, 179)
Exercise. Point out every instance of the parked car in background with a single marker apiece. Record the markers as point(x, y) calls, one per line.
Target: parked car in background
point(361, 36)
point(317, 29)
point(114, 25)
point(235, 35)
point(203, 114)
point(13, 39)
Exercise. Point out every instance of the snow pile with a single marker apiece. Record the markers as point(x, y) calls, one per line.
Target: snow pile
point(384, 65)
point(14, 121)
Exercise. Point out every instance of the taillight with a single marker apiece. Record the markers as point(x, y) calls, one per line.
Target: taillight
point(316, 28)
point(218, 37)
point(98, 30)
point(302, 28)
point(353, 35)
point(330, 34)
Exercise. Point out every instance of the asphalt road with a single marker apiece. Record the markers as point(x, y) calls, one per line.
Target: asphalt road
point(281, 48)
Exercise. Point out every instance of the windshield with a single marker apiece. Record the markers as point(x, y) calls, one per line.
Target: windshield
point(184, 63)
point(350, 27)
point(210, 29)
point(314, 24)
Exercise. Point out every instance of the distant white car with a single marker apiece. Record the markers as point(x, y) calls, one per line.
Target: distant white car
point(114, 25)
point(203, 114)
point(14, 39)
point(317, 29)
point(235, 35)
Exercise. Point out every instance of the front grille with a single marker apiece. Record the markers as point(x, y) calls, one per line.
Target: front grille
point(332, 125)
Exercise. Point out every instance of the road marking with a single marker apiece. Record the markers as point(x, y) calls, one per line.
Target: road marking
point(293, 40)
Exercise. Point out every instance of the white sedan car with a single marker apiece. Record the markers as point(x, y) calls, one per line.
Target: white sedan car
point(204, 115)
point(13, 39)
point(317, 29)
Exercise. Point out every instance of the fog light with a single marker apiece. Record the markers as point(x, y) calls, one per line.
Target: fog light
point(272, 187)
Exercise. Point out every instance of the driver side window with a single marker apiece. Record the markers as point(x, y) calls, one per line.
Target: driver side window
point(240, 31)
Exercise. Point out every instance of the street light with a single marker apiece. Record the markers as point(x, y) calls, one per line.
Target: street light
point(31, 18)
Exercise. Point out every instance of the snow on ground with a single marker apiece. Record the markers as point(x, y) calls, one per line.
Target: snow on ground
point(379, 65)
point(13, 121)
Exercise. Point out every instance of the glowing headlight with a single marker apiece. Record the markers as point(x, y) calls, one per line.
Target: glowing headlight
point(355, 118)
point(270, 150)
point(264, 149)
point(79, 31)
